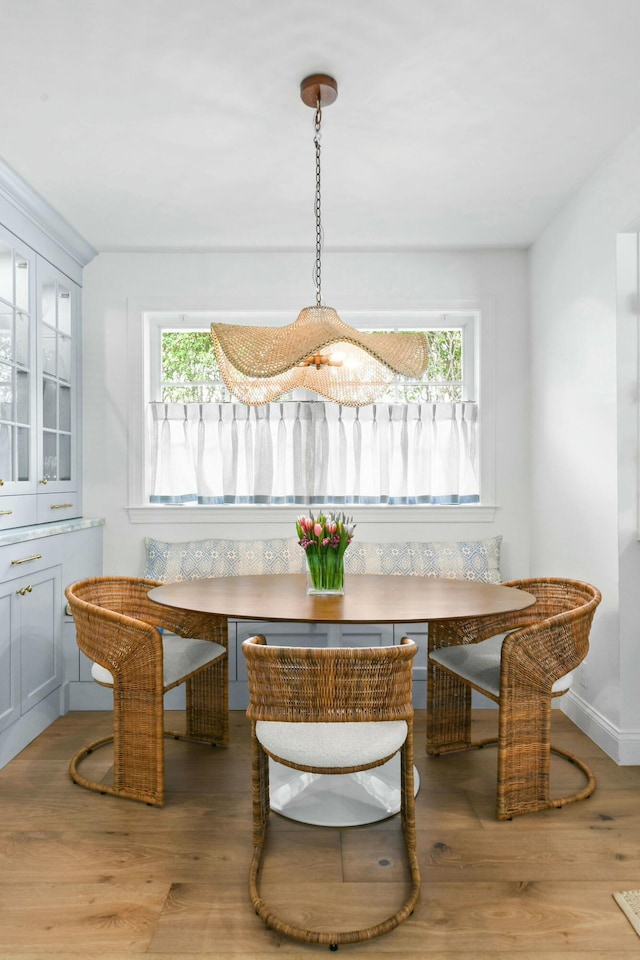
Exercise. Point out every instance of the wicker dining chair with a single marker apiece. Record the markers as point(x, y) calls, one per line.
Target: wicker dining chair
point(522, 661)
point(140, 650)
point(331, 710)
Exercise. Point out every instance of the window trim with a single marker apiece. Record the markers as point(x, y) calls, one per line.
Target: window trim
point(144, 314)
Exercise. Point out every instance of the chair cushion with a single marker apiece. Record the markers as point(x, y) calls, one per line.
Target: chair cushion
point(332, 744)
point(181, 657)
point(479, 663)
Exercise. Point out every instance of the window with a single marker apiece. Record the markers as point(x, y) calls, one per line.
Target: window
point(416, 445)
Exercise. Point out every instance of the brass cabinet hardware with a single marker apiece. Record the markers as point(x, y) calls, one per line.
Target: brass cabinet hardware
point(5, 513)
point(24, 590)
point(60, 506)
point(44, 481)
point(1, 483)
point(36, 556)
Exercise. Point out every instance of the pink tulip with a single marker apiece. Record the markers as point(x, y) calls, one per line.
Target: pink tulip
point(317, 530)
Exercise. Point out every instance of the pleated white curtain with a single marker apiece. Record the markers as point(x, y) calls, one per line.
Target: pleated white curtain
point(312, 452)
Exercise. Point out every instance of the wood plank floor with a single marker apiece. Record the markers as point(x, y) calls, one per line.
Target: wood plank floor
point(82, 875)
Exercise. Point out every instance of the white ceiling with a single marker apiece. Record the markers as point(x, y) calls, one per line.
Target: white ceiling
point(178, 123)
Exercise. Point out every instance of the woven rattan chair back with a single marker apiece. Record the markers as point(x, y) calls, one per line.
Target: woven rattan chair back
point(329, 685)
point(544, 643)
point(119, 628)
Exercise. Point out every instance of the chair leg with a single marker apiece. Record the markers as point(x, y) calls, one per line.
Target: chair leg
point(448, 712)
point(261, 813)
point(207, 711)
point(141, 789)
point(524, 758)
point(138, 750)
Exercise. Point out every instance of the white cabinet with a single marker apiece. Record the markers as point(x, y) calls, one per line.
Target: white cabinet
point(37, 602)
point(30, 641)
point(39, 338)
point(43, 546)
point(36, 669)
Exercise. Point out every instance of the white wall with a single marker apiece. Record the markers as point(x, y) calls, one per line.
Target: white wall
point(114, 283)
point(584, 383)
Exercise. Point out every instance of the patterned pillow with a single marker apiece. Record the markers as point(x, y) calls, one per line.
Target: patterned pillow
point(194, 559)
point(190, 560)
point(454, 559)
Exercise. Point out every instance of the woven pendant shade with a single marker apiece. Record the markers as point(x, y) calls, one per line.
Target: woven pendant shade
point(259, 364)
point(318, 352)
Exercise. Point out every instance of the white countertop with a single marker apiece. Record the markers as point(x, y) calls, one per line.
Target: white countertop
point(38, 530)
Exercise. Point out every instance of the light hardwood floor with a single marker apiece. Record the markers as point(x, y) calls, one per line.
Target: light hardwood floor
point(92, 876)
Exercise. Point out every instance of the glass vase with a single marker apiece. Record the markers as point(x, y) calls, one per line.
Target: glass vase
point(325, 574)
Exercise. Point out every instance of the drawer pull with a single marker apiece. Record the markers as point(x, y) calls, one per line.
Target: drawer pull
point(24, 590)
point(44, 481)
point(36, 556)
point(60, 506)
point(1, 483)
point(5, 513)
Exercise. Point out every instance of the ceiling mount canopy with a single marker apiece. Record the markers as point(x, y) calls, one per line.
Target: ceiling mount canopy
point(318, 352)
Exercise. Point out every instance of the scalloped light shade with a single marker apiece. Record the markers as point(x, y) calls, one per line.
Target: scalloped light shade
point(318, 352)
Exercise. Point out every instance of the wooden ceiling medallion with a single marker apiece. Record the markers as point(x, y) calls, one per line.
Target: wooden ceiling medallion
point(318, 87)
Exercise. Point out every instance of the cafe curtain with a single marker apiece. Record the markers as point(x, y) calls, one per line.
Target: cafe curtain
point(313, 452)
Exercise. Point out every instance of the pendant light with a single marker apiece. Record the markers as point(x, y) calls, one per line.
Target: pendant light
point(318, 352)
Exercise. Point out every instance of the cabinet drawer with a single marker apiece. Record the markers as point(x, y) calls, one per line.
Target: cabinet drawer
point(20, 511)
point(57, 506)
point(20, 559)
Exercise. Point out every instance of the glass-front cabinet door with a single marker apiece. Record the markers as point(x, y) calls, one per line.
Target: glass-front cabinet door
point(38, 406)
point(17, 369)
point(56, 460)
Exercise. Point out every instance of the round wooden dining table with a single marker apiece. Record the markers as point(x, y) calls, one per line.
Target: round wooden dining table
point(340, 799)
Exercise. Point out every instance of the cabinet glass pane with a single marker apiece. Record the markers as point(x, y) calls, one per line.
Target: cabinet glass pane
point(49, 405)
point(22, 282)
point(6, 392)
point(6, 272)
point(23, 436)
point(64, 310)
point(5, 451)
point(64, 409)
point(50, 459)
point(49, 338)
point(22, 339)
point(22, 396)
point(65, 458)
point(6, 333)
point(64, 358)
point(49, 304)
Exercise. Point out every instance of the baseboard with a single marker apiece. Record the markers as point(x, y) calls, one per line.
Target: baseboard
point(622, 746)
point(30, 725)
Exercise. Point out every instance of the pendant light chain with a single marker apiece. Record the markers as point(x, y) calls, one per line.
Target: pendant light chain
point(261, 364)
point(318, 266)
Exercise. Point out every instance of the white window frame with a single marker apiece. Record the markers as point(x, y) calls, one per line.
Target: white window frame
point(146, 322)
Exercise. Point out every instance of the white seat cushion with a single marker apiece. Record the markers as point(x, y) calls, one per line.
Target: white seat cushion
point(181, 657)
point(332, 744)
point(479, 663)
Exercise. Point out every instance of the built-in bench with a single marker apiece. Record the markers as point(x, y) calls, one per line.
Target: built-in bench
point(188, 560)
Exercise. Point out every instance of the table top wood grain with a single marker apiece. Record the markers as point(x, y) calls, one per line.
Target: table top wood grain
point(367, 598)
